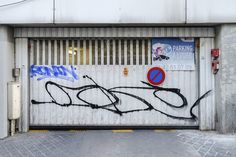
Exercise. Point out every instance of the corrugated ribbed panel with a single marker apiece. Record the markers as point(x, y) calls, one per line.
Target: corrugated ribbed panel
point(207, 107)
point(116, 32)
point(83, 101)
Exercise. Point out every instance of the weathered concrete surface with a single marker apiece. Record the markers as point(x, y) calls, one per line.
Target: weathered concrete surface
point(226, 79)
point(105, 143)
point(6, 64)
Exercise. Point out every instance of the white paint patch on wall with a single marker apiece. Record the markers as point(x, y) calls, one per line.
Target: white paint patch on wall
point(31, 11)
point(211, 11)
point(120, 11)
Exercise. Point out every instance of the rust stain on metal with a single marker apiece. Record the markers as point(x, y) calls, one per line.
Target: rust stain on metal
point(126, 71)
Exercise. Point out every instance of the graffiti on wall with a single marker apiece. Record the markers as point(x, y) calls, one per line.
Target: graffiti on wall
point(114, 100)
point(55, 71)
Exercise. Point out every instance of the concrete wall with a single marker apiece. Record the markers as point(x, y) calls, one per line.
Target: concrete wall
point(31, 11)
point(118, 11)
point(226, 79)
point(6, 65)
point(211, 11)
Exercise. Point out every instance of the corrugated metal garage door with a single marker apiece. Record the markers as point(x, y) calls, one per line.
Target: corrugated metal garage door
point(99, 82)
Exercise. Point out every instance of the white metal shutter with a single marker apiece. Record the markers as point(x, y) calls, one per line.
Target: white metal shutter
point(104, 60)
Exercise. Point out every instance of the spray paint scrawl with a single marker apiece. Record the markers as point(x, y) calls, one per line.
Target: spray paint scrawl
point(114, 101)
point(55, 71)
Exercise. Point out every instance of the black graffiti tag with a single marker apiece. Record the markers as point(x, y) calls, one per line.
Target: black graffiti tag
point(114, 100)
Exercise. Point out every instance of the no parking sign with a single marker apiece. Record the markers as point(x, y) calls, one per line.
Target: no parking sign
point(156, 76)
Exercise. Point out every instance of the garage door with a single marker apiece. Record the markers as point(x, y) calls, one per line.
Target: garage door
point(103, 82)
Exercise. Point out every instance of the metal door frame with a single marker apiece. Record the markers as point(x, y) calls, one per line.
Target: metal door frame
point(206, 78)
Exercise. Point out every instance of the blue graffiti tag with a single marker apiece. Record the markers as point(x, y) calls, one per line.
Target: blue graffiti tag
point(55, 71)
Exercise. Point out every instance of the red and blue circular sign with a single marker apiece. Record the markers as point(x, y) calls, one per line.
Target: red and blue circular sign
point(156, 76)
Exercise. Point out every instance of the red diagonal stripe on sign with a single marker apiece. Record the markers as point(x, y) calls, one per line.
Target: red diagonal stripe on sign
point(156, 76)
